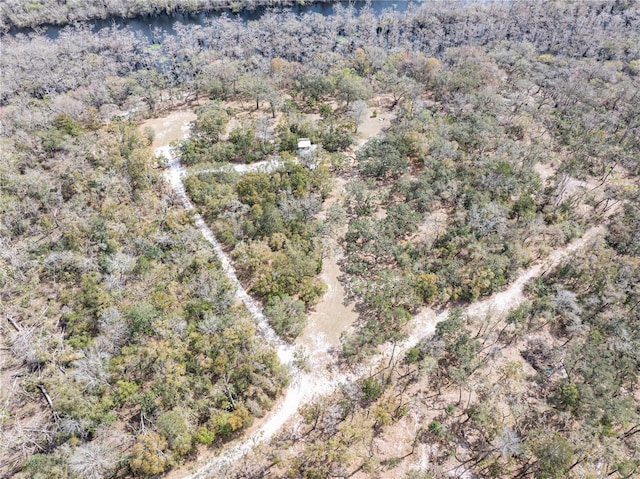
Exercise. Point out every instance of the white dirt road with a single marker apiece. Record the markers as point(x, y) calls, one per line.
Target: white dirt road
point(324, 376)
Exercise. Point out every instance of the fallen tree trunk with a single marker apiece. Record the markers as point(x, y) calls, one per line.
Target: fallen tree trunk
point(46, 395)
point(12, 322)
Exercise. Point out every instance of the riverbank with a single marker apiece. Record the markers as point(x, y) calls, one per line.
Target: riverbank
point(147, 16)
point(31, 16)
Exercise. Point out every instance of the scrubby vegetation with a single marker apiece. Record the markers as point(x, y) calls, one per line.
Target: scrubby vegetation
point(119, 315)
point(515, 131)
point(564, 406)
point(450, 205)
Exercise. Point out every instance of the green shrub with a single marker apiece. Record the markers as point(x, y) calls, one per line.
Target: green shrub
point(286, 316)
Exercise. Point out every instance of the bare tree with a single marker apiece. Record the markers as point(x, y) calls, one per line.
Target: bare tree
point(92, 460)
point(357, 112)
point(91, 370)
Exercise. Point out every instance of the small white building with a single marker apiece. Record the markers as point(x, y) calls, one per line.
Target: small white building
point(306, 153)
point(304, 144)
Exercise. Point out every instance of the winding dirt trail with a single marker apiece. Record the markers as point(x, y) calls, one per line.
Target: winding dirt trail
point(166, 132)
point(304, 386)
point(264, 165)
point(325, 375)
point(330, 315)
point(174, 175)
point(500, 303)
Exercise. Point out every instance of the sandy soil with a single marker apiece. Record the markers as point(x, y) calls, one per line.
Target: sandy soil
point(331, 316)
point(493, 309)
point(545, 170)
point(169, 128)
point(372, 127)
point(429, 229)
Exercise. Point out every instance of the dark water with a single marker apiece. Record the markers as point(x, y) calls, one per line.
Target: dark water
point(146, 25)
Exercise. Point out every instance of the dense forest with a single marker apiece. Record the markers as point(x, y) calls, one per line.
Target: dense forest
point(475, 174)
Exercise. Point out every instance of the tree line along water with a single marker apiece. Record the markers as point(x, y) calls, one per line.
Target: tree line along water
point(153, 26)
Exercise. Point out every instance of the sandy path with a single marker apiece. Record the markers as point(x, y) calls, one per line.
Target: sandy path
point(502, 302)
point(326, 322)
point(324, 380)
point(264, 165)
point(167, 130)
point(331, 316)
point(304, 385)
point(174, 177)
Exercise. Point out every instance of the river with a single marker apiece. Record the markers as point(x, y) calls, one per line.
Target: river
point(152, 27)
